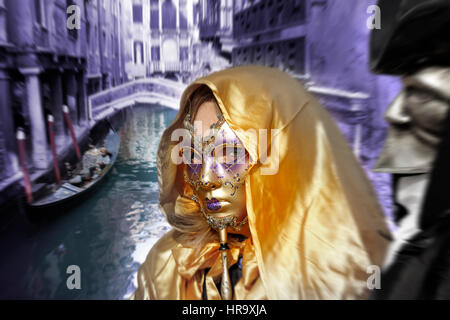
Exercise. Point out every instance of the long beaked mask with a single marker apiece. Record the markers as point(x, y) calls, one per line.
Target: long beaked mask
point(215, 168)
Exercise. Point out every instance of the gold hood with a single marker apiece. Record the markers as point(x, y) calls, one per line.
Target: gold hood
point(316, 224)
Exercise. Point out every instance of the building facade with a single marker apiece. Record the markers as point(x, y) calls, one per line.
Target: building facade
point(215, 20)
point(265, 32)
point(272, 33)
point(163, 38)
point(106, 23)
point(46, 63)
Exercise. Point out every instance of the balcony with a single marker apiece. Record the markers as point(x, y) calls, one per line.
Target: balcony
point(269, 15)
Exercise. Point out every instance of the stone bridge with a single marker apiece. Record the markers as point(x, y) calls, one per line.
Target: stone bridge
point(150, 90)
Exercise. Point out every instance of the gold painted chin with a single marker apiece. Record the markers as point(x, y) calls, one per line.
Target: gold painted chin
point(223, 214)
point(226, 221)
point(219, 215)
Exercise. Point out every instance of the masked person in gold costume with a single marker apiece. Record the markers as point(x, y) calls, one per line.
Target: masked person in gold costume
point(266, 199)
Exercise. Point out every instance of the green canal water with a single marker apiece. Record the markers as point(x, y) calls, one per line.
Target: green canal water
point(107, 236)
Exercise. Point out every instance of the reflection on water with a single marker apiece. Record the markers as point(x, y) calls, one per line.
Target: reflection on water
point(108, 236)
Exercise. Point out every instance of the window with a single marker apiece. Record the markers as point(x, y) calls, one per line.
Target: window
point(184, 53)
point(3, 34)
point(105, 44)
point(169, 13)
point(204, 9)
point(95, 42)
point(88, 35)
point(41, 16)
point(154, 14)
point(182, 12)
point(137, 13)
point(196, 10)
point(138, 52)
point(113, 52)
point(156, 53)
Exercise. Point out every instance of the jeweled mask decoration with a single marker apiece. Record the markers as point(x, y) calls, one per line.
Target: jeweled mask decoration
point(215, 168)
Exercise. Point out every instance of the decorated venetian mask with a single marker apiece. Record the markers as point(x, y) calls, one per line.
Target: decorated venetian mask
point(215, 167)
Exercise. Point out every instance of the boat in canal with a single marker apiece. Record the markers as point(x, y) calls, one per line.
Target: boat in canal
point(68, 192)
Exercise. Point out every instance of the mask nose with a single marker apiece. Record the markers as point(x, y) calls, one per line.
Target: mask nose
point(209, 174)
point(396, 114)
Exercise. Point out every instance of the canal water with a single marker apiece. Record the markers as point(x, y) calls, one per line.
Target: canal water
point(107, 236)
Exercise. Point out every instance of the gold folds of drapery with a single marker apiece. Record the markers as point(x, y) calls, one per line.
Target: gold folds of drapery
point(172, 271)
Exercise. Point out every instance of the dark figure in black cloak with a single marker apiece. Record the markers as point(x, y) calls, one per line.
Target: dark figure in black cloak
point(414, 42)
point(421, 269)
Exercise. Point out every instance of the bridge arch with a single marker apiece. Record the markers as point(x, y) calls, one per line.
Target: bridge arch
point(149, 90)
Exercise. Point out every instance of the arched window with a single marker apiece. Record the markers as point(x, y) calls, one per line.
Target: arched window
point(154, 14)
point(138, 52)
point(183, 12)
point(137, 13)
point(169, 15)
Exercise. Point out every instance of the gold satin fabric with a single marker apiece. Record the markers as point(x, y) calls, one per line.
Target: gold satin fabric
point(316, 225)
point(172, 271)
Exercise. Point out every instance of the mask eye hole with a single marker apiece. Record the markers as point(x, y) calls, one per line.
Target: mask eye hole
point(417, 95)
point(190, 155)
point(229, 153)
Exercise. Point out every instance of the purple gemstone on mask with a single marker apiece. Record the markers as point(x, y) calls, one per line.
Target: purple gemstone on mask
point(213, 204)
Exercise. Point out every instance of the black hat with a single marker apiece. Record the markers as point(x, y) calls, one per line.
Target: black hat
point(413, 34)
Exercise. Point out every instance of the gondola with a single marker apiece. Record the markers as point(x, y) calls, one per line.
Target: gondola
point(66, 194)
